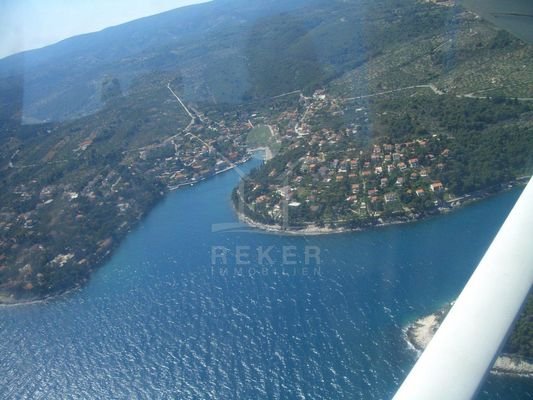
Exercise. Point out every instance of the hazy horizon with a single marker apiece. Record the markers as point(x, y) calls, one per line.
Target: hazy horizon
point(32, 24)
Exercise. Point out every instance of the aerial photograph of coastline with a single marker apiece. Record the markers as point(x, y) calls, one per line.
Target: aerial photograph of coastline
point(266, 199)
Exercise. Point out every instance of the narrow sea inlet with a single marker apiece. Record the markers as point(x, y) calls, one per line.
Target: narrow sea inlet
point(163, 319)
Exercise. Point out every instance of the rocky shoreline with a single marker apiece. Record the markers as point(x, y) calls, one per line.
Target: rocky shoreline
point(312, 230)
point(278, 229)
point(420, 332)
point(9, 300)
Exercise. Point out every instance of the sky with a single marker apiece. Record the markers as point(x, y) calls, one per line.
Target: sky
point(30, 24)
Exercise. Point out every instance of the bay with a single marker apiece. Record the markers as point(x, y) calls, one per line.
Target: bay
point(167, 318)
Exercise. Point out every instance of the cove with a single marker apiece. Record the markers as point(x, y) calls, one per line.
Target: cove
point(160, 320)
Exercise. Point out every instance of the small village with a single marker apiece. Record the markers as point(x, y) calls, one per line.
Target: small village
point(325, 167)
point(340, 179)
point(387, 180)
point(93, 212)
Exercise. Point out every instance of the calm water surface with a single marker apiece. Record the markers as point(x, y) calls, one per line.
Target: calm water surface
point(160, 321)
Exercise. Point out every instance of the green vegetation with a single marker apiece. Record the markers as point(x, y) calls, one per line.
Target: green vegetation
point(260, 136)
point(263, 137)
point(400, 156)
point(427, 134)
point(411, 158)
point(492, 138)
point(521, 340)
point(72, 191)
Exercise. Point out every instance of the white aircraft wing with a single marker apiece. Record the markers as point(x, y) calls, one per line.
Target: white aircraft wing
point(458, 358)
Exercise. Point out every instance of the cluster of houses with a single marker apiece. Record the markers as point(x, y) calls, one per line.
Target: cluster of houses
point(40, 204)
point(371, 181)
point(387, 176)
point(205, 149)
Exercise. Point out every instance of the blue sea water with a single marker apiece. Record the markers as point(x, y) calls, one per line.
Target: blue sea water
point(162, 321)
